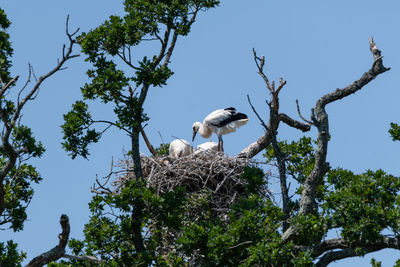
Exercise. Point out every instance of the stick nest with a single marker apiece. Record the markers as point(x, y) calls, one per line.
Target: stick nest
point(210, 178)
point(207, 171)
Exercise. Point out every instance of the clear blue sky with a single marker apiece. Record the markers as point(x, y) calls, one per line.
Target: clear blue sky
point(316, 45)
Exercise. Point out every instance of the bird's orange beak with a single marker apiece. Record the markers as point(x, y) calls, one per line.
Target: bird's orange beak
point(194, 135)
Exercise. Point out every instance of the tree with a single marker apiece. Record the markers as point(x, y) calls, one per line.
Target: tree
point(258, 231)
point(117, 41)
point(18, 144)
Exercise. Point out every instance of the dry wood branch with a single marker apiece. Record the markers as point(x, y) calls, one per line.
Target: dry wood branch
point(320, 120)
point(58, 251)
point(5, 87)
point(347, 249)
point(83, 258)
point(9, 123)
point(301, 116)
point(275, 117)
point(148, 144)
point(293, 123)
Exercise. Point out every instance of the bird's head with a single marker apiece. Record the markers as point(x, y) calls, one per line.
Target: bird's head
point(196, 126)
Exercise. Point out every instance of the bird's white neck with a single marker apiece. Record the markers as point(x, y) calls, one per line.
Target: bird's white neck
point(204, 131)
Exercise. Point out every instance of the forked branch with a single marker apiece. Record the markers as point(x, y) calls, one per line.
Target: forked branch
point(10, 120)
point(58, 251)
point(275, 117)
point(270, 135)
point(320, 120)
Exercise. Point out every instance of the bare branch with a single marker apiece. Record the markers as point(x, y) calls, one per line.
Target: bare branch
point(11, 82)
point(110, 123)
point(275, 117)
point(320, 119)
point(260, 65)
point(258, 116)
point(347, 249)
point(127, 60)
point(301, 116)
point(9, 124)
point(58, 251)
point(66, 56)
point(293, 123)
point(83, 258)
point(170, 49)
point(148, 144)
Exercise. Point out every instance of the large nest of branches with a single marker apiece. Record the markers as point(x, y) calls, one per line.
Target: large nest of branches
point(207, 172)
point(212, 180)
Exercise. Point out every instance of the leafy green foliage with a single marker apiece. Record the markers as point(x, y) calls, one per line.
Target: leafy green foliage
point(6, 50)
point(359, 206)
point(300, 155)
point(394, 131)
point(249, 237)
point(22, 139)
point(118, 40)
point(375, 263)
point(163, 150)
point(10, 256)
point(76, 133)
point(18, 194)
point(109, 234)
point(363, 205)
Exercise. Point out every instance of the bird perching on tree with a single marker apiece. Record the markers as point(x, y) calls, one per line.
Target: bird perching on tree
point(220, 122)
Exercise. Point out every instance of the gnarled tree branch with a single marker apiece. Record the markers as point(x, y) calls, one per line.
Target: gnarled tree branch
point(275, 117)
point(270, 135)
point(348, 250)
point(320, 120)
point(58, 251)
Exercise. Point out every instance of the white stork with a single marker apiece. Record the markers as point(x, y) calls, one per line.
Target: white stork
point(180, 148)
point(221, 121)
point(206, 146)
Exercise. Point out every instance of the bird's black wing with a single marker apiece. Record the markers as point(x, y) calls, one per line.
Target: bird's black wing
point(233, 116)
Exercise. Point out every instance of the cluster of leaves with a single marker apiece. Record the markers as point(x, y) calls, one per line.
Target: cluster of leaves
point(394, 131)
point(10, 256)
point(117, 41)
point(163, 150)
point(5, 48)
point(76, 124)
point(18, 194)
point(299, 157)
point(363, 205)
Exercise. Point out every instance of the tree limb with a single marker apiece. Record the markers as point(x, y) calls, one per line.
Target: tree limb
point(10, 123)
point(11, 82)
point(275, 117)
point(320, 120)
point(58, 251)
point(348, 250)
point(83, 258)
point(148, 144)
point(293, 123)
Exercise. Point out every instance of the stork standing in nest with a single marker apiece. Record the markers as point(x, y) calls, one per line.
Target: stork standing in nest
point(221, 122)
